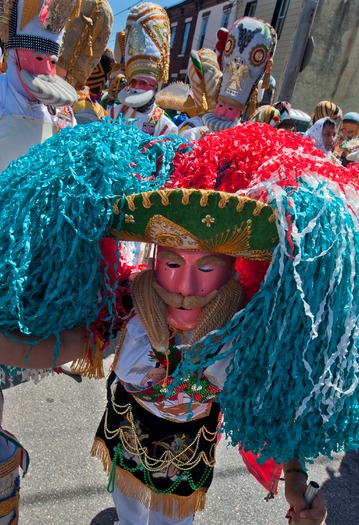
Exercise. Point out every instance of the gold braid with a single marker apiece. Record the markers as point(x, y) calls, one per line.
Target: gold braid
point(151, 310)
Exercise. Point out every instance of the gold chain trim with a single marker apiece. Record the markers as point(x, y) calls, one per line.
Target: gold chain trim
point(133, 446)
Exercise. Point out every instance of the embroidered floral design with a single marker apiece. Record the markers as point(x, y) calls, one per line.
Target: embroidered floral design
point(129, 218)
point(208, 220)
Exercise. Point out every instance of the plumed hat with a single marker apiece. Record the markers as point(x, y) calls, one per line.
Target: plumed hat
point(247, 54)
point(35, 24)
point(147, 42)
point(205, 75)
point(178, 97)
point(326, 108)
point(85, 41)
point(268, 114)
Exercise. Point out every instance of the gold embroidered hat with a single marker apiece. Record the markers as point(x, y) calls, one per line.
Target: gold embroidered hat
point(203, 220)
point(147, 42)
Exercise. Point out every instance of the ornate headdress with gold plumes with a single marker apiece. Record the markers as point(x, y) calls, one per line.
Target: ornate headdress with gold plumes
point(147, 42)
point(85, 41)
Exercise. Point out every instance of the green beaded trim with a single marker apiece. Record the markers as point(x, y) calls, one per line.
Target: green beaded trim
point(147, 477)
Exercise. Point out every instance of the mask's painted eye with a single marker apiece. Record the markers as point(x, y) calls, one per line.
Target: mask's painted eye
point(172, 264)
point(40, 59)
point(206, 269)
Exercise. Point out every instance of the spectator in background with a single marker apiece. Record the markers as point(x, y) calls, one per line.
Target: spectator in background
point(287, 124)
point(323, 132)
point(31, 91)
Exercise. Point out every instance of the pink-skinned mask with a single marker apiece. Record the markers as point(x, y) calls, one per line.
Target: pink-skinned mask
point(36, 72)
point(36, 62)
point(187, 275)
point(227, 111)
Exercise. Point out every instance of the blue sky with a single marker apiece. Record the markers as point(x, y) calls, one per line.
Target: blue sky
point(121, 9)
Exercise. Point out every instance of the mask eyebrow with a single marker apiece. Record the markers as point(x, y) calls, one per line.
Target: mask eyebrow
point(172, 256)
point(210, 259)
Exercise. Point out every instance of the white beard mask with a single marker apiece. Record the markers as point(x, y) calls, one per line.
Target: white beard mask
point(135, 98)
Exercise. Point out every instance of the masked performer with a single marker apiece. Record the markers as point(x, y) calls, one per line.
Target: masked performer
point(277, 356)
point(245, 56)
point(30, 90)
point(146, 48)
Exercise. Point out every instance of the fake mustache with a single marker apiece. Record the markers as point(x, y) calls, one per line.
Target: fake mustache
point(48, 89)
point(187, 302)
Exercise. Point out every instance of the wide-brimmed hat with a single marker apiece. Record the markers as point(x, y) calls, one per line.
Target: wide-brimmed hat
point(200, 220)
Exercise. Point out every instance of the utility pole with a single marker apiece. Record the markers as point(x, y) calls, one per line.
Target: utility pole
point(299, 46)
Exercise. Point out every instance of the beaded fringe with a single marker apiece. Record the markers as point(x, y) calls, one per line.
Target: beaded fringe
point(171, 505)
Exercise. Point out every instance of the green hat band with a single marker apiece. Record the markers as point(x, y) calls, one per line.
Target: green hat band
point(201, 220)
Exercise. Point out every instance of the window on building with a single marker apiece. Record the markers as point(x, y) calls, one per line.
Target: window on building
point(226, 16)
point(202, 31)
point(187, 27)
point(250, 8)
point(173, 35)
point(280, 12)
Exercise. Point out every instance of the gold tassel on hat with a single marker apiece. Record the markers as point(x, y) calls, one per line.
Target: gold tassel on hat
point(252, 102)
point(121, 37)
point(266, 78)
point(5, 19)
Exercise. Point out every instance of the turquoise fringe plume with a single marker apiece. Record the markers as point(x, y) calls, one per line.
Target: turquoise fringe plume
point(56, 204)
point(293, 378)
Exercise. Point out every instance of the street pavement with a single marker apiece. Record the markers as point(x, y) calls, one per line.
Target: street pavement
point(56, 421)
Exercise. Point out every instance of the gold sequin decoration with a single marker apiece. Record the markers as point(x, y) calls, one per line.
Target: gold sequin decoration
point(115, 207)
point(234, 241)
point(29, 12)
point(146, 199)
point(185, 197)
point(204, 198)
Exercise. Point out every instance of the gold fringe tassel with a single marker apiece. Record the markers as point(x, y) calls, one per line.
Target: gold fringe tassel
point(90, 367)
point(252, 103)
point(266, 78)
point(171, 505)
